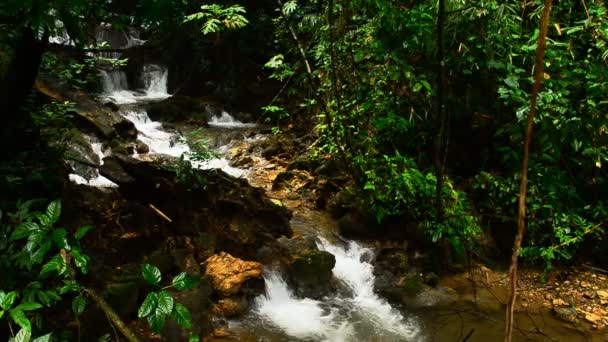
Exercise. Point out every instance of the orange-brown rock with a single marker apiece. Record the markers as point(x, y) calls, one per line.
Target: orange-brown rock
point(228, 274)
point(230, 307)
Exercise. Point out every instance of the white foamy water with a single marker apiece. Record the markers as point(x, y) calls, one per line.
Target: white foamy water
point(99, 181)
point(116, 87)
point(226, 120)
point(152, 134)
point(361, 317)
point(160, 141)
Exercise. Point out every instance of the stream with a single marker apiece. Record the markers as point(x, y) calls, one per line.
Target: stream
point(358, 314)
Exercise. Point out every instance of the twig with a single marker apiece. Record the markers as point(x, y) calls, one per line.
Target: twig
point(160, 213)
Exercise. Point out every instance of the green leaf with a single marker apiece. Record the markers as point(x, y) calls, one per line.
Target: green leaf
point(82, 231)
point(151, 274)
point(194, 338)
point(45, 338)
point(148, 306)
point(53, 211)
point(69, 286)
point(55, 264)
point(182, 316)
point(156, 321)
point(29, 306)
point(165, 303)
point(79, 303)
point(23, 336)
point(24, 230)
point(6, 301)
point(2, 313)
point(81, 260)
point(21, 319)
point(59, 237)
point(183, 282)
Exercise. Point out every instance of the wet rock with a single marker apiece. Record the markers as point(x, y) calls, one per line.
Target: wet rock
point(431, 279)
point(126, 129)
point(178, 109)
point(112, 106)
point(141, 147)
point(330, 168)
point(281, 180)
point(230, 275)
point(304, 163)
point(230, 307)
point(242, 162)
point(308, 269)
point(272, 150)
point(566, 314)
point(602, 294)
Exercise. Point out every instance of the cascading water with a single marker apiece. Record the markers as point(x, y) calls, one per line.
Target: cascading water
point(154, 78)
point(162, 142)
point(362, 316)
point(227, 121)
point(116, 87)
point(99, 180)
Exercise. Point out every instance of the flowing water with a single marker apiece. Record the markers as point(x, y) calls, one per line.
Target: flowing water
point(358, 316)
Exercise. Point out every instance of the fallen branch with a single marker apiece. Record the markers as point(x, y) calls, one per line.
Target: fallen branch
point(112, 315)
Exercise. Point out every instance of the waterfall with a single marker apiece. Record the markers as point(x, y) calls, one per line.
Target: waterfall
point(362, 316)
point(226, 120)
point(152, 134)
point(173, 144)
point(116, 87)
point(123, 39)
point(154, 78)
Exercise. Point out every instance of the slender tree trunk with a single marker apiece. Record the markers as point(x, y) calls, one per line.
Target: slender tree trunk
point(441, 110)
point(523, 188)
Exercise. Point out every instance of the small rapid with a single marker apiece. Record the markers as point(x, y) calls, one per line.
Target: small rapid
point(360, 316)
point(116, 86)
point(98, 180)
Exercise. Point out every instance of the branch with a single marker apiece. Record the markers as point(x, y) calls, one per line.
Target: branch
point(523, 188)
point(112, 315)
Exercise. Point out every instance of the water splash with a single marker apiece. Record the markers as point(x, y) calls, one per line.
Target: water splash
point(160, 141)
point(227, 121)
point(98, 181)
point(361, 317)
point(116, 87)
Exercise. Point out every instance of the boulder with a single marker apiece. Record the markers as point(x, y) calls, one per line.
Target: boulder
point(178, 109)
point(239, 217)
point(230, 276)
point(308, 269)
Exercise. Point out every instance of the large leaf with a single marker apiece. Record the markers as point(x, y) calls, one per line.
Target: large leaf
point(21, 319)
point(165, 303)
point(151, 274)
point(148, 306)
point(53, 211)
point(194, 338)
point(55, 264)
point(29, 306)
point(183, 281)
point(45, 338)
point(82, 231)
point(79, 303)
point(22, 336)
point(59, 237)
point(24, 230)
point(7, 300)
point(182, 316)
point(156, 321)
point(81, 260)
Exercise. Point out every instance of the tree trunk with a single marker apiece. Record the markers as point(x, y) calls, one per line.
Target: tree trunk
point(523, 188)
